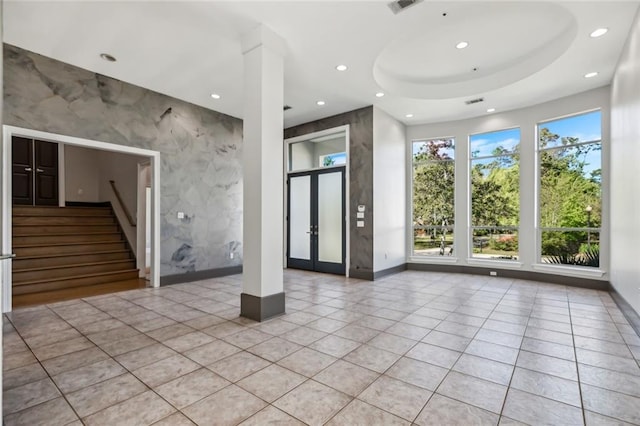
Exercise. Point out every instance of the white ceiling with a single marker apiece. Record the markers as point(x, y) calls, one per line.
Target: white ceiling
point(525, 52)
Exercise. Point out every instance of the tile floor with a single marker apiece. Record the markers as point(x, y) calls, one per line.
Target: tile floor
point(416, 347)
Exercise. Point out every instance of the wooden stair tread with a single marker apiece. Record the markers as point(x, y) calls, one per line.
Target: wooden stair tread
point(46, 256)
point(71, 233)
point(55, 225)
point(76, 265)
point(26, 207)
point(97, 274)
point(61, 244)
point(19, 214)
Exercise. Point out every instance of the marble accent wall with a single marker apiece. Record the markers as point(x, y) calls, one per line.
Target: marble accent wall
point(201, 170)
point(360, 179)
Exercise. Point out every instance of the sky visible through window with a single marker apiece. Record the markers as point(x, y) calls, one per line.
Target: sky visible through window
point(484, 144)
point(444, 152)
point(585, 127)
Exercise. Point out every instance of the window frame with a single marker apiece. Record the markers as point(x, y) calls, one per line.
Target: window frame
point(411, 256)
point(573, 270)
point(508, 263)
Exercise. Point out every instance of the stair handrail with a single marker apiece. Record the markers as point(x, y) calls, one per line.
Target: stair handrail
point(122, 205)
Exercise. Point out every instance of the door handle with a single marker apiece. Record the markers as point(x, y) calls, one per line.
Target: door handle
point(39, 170)
point(28, 169)
point(7, 256)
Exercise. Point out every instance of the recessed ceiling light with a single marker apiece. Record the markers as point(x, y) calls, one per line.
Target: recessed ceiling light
point(379, 94)
point(599, 32)
point(591, 74)
point(409, 115)
point(320, 103)
point(215, 96)
point(341, 67)
point(491, 110)
point(107, 57)
point(462, 45)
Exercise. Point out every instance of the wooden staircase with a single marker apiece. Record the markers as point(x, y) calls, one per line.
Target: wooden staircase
point(68, 250)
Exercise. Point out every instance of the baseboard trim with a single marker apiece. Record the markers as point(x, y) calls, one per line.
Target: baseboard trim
point(390, 271)
point(361, 274)
point(629, 313)
point(512, 273)
point(200, 275)
point(261, 308)
point(87, 204)
point(372, 276)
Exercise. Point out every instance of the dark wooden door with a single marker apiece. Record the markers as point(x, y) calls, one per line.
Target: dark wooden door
point(22, 158)
point(35, 172)
point(46, 173)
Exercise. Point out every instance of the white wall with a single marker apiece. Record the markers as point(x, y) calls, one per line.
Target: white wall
point(301, 156)
point(625, 160)
point(526, 119)
point(328, 147)
point(389, 194)
point(81, 169)
point(123, 169)
point(87, 175)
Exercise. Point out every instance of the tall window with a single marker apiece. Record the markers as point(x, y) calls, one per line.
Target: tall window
point(433, 197)
point(495, 194)
point(570, 185)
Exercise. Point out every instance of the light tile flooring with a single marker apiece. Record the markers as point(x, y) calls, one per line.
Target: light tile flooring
point(416, 347)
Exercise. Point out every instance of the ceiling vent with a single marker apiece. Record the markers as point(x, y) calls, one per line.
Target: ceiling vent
point(474, 101)
point(286, 108)
point(400, 5)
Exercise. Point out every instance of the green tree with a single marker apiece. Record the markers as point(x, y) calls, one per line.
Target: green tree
point(566, 190)
point(433, 186)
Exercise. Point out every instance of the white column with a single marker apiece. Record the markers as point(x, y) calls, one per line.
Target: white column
point(262, 288)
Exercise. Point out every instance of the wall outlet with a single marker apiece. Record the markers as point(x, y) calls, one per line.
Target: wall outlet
point(80, 191)
point(230, 255)
point(180, 215)
point(493, 273)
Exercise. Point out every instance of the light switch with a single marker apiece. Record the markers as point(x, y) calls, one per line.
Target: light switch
point(180, 215)
point(360, 215)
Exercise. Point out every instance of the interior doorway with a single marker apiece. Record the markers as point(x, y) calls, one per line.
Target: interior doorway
point(34, 172)
point(59, 141)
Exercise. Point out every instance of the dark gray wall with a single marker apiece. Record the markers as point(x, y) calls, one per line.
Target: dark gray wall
point(201, 172)
point(360, 124)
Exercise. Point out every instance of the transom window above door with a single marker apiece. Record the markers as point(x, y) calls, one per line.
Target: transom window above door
point(319, 152)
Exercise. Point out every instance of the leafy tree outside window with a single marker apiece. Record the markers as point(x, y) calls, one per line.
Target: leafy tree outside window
point(495, 194)
point(433, 197)
point(570, 189)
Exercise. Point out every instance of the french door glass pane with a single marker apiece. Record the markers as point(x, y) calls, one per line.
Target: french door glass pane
point(300, 217)
point(330, 220)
